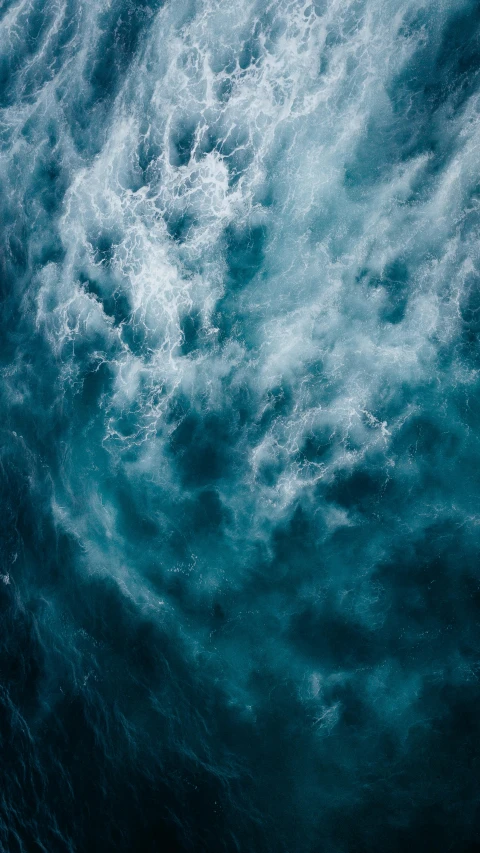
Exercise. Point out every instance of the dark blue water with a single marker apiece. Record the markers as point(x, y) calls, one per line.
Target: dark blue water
point(240, 422)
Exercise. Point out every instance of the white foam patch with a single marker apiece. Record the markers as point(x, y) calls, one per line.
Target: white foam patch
point(249, 116)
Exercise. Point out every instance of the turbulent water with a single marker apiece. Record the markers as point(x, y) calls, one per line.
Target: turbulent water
point(240, 410)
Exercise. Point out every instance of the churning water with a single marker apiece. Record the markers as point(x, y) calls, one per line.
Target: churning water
point(240, 410)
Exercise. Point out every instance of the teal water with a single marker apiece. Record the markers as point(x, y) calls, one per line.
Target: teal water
point(240, 460)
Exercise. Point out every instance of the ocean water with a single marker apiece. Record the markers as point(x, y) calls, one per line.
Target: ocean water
point(240, 420)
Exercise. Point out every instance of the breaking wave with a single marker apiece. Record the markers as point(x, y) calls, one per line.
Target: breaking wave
point(240, 461)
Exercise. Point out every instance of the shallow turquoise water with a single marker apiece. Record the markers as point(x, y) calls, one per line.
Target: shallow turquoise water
point(240, 451)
